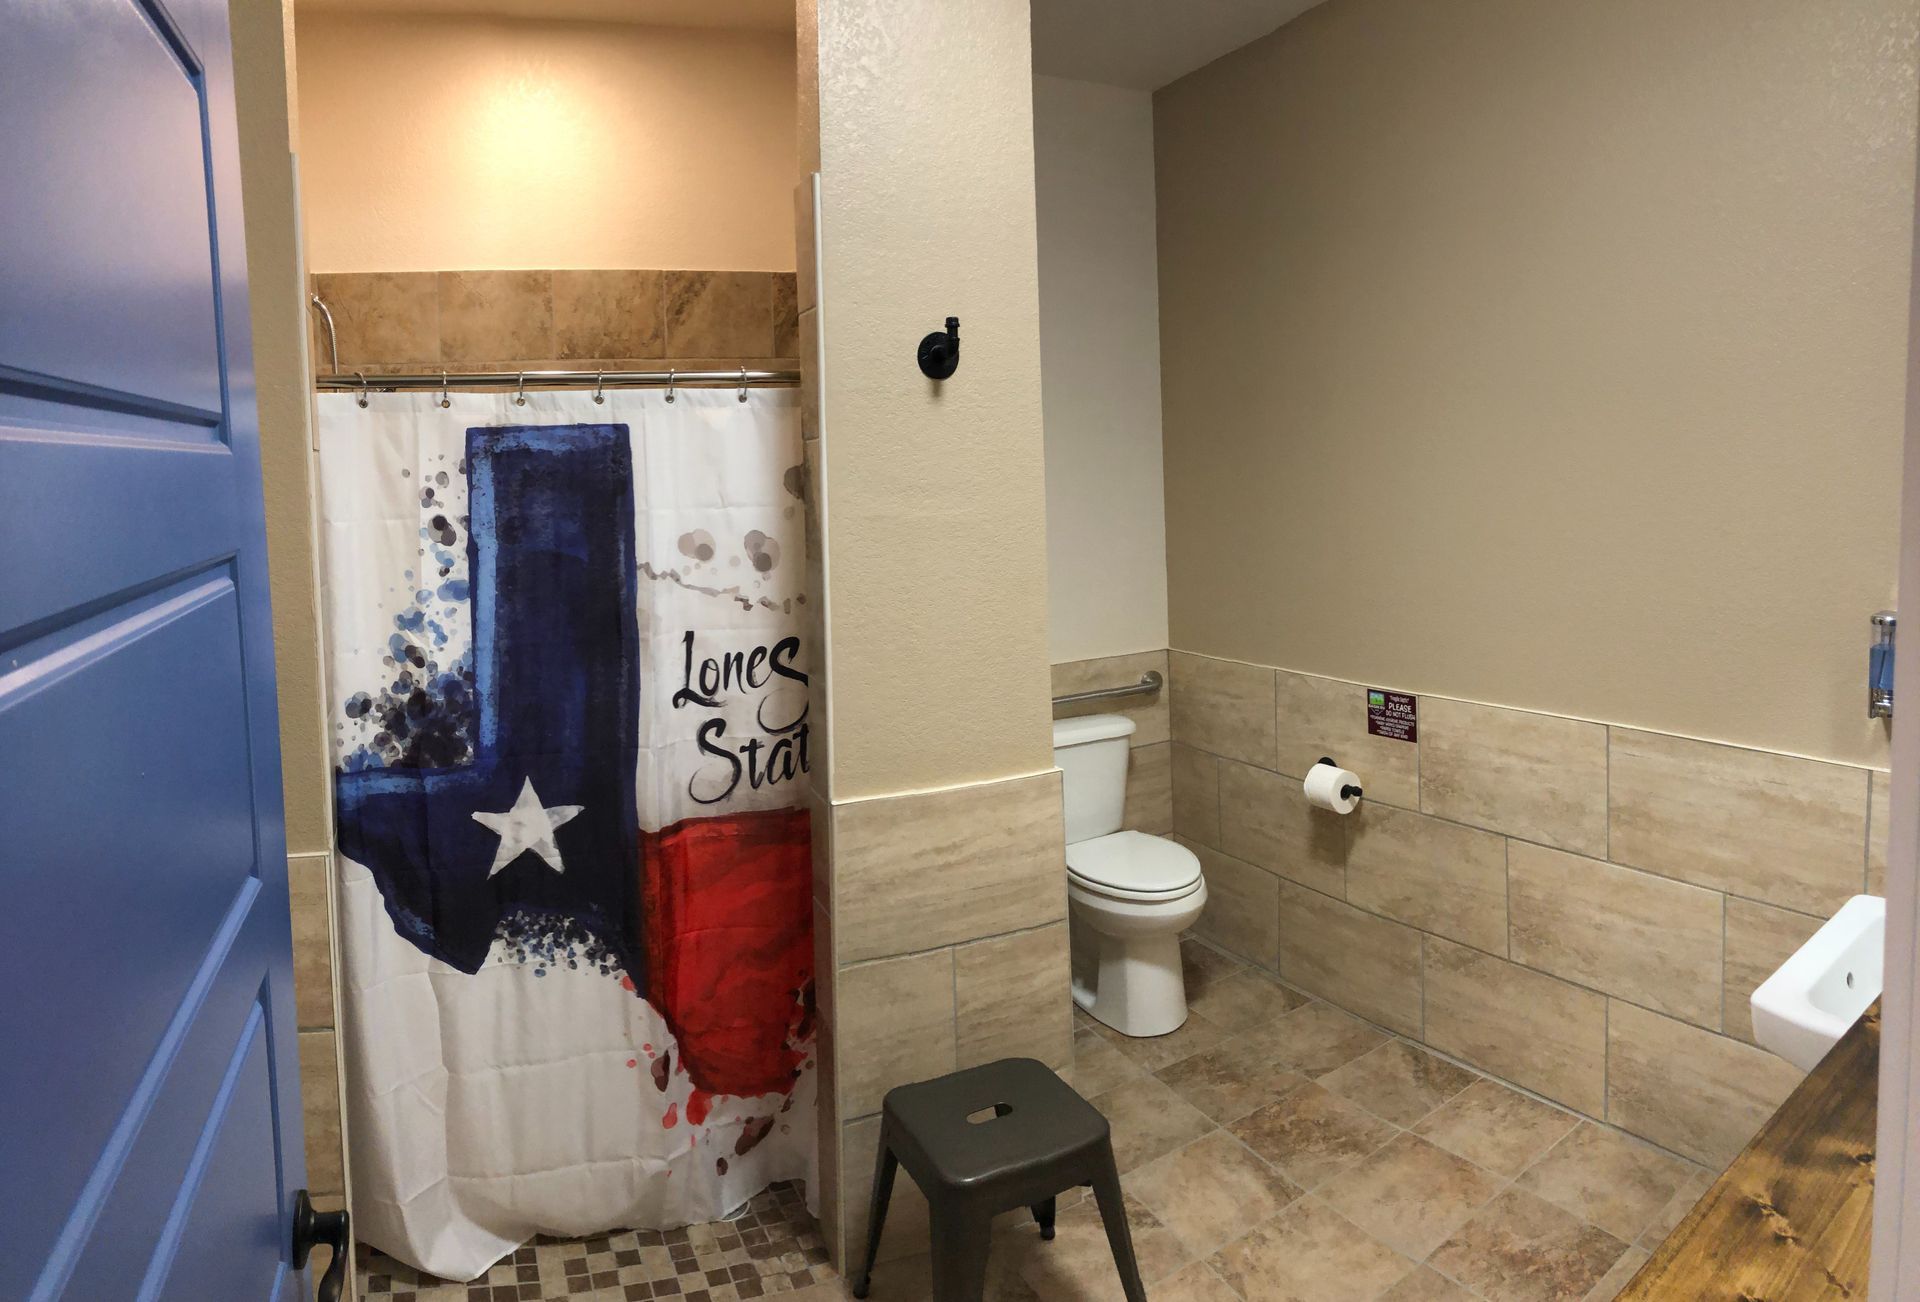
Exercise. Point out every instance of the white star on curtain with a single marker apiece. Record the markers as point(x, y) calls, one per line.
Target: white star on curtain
point(529, 825)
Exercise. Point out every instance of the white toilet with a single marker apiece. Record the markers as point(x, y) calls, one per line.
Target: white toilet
point(1129, 895)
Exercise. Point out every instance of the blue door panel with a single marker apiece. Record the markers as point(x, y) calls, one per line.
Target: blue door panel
point(60, 484)
point(222, 1242)
point(117, 290)
point(137, 829)
point(149, 1103)
point(184, 1090)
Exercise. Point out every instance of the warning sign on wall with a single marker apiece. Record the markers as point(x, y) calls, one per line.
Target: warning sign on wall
point(1393, 714)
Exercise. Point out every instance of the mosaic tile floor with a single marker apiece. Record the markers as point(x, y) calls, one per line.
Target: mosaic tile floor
point(772, 1247)
point(1273, 1147)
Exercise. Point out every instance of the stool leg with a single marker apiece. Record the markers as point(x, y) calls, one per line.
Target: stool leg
point(884, 1165)
point(960, 1240)
point(1113, 1213)
point(1043, 1213)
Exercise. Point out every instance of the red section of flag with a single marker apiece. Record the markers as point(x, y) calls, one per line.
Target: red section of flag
point(729, 940)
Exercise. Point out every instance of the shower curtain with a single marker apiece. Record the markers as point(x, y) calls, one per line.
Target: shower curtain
point(568, 713)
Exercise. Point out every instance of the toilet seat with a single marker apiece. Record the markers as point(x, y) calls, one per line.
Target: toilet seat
point(1133, 866)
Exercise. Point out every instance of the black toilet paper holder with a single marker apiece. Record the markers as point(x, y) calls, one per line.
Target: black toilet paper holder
point(1349, 791)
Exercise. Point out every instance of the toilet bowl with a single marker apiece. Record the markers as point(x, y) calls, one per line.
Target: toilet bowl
point(1129, 894)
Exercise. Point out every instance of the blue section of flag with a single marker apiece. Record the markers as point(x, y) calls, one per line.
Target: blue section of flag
point(551, 558)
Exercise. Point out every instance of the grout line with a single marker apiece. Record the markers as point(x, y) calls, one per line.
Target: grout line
point(1506, 878)
point(1606, 1057)
point(1442, 818)
point(1512, 837)
point(844, 968)
point(1607, 802)
point(1526, 967)
point(1723, 964)
point(1312, 1192)
point(1004, 779)
point(1423, 987)
point(1218, 816)
point(1207, 1265)
point(1558, 1106)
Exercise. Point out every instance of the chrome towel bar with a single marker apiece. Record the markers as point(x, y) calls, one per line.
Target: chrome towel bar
point(1149, 682)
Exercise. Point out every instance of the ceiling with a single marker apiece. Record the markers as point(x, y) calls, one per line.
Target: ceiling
point(756, 15)
point(1147, 43)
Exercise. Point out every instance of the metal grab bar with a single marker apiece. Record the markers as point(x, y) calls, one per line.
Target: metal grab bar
point(333, 341)
point(1149, 682)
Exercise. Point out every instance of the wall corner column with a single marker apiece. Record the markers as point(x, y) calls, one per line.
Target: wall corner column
point(940, 886)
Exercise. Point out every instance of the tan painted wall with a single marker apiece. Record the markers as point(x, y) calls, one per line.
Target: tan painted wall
point(1100, 370)
point(1549, 355)
point(467, 142)
point(935, 502)
point(940, 937)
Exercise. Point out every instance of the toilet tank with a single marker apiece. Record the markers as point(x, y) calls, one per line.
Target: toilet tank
point(1092, 754)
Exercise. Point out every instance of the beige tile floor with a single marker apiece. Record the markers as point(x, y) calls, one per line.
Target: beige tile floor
point(1275, 1148)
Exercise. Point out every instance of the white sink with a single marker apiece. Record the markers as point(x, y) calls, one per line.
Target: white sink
point(1803, 1009)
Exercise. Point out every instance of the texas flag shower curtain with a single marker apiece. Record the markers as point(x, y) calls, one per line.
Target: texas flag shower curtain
point(568, 708)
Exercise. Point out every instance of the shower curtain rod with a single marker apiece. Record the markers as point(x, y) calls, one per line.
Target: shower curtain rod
point(743, 377)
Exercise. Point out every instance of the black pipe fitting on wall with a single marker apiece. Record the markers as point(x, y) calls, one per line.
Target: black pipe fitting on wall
point(940, 351)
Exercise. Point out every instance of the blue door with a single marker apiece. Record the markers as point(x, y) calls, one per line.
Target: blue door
point(149, 1109)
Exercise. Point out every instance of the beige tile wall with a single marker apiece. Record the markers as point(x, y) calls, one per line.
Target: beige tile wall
point(1151, 767)
point(946, 947)
point(1581, 908)
point(979, 864)
point(942, 924)
point(309, 878)
point(562, 320)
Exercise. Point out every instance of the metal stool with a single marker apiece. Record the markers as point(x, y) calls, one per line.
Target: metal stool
point(988, 1140)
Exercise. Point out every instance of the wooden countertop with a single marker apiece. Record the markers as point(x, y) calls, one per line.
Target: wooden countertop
point(1792, 1217)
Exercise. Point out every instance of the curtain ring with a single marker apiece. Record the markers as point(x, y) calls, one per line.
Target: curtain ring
point(362, 377)
point(743, 384)
point(599, 386)
point(670, 374)
point(520, 398)
point(445, 401)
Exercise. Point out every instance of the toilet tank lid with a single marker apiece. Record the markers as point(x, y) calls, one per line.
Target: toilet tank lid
point(1091, 727)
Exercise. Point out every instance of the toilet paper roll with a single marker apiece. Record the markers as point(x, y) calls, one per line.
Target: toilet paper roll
point(1332, 787)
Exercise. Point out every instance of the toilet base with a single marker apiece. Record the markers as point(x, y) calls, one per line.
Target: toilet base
point(1136, 984)
point(1140, 990)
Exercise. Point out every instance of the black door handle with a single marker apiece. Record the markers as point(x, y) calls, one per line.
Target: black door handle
point(311, 1229)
